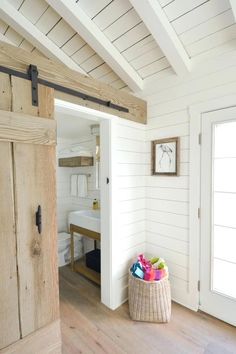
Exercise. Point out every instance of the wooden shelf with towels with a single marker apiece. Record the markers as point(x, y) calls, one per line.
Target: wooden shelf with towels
point(76, 161)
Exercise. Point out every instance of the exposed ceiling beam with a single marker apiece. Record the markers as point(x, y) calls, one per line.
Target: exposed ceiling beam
point(30, 32)
point(88, 30)
point(158, 24)
point(233, 5)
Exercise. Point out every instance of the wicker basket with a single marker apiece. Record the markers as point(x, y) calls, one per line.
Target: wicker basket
point(149, 300)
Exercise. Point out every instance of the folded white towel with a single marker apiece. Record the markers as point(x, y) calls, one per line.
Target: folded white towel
point(82, 186)
point(73, 185)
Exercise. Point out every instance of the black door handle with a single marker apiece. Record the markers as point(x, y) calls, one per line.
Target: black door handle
point(38, 219)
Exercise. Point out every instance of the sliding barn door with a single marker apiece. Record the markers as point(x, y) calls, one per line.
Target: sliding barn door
point(9, 319)
point(28, 159)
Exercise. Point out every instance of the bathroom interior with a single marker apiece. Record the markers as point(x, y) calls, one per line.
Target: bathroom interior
point(78, 194)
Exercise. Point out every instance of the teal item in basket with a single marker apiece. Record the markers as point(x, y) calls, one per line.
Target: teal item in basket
point(137, 270)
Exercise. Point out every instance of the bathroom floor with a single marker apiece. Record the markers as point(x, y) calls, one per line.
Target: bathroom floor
point(90, 327)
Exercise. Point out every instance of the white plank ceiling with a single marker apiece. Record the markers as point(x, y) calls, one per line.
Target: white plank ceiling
point(201, 26)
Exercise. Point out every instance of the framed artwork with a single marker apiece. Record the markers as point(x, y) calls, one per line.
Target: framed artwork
point(165, 157)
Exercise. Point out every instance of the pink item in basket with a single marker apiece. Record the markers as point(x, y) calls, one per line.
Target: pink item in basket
point(144, 262)
point(149, 275)
point(160, 274)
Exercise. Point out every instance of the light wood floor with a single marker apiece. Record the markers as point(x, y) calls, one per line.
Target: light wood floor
point(89, 327)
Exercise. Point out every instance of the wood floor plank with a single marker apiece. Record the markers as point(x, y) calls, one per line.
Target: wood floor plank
point(90, 327)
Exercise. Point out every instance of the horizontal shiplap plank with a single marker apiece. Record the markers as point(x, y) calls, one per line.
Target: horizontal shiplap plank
point(181, 182)
point(133, 170)
point(16, 3)
point(131, 124)
point(174, 130)
point(132, 229)
point(201, 14)
point(61, 33)
point(131, 205)
point(73, 45)
point(131, 193)
point(133, 241)
point(93, 7)
point(195, 87)
point(122, 25)
point(130, 255)
point(175, 257)
point(131, 37)
point(26, 46)
point(212, 41)
point(132, 157)
point(154, 67)
point(130, 181)
point(170, 243)
point(83, 54)
point(99, 72)
point(91, 63)
point(169, 231)
point(111, 13)
point(47, 21)
point(109, 78)
point(179, 284)
point(177, 271)
point(130, 132)
point(128, 144)
point(14, 36)
point(201, 96)
point(168, 120)
point(140, 48)
point(147, 58)
point(33, 10)
point(168, 218)
point(169, 206)
point(207, 28)
point(173, 194)
point(132, 217)
point(178, 8)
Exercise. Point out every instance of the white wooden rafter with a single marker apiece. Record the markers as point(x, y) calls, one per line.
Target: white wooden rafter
point(26, 29)
point(233, 6)
point(88, 30)
point(161, 29)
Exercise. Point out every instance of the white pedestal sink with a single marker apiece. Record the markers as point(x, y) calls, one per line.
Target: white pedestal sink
point(88, 219)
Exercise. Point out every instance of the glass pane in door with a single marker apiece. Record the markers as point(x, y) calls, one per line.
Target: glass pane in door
point(224, 209)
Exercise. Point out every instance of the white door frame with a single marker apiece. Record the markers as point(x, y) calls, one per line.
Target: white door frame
point(196, 112)
point(106, 190)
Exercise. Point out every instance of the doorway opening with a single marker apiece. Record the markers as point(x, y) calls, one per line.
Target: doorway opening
point(84, 193)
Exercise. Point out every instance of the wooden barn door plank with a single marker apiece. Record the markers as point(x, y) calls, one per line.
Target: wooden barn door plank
point(35, 184)
point(9, 313)
point(37, 253)
point(9, 316)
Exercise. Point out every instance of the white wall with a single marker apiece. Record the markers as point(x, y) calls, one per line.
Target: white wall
point(167, 198)
point(130, 168)
point(65, 202)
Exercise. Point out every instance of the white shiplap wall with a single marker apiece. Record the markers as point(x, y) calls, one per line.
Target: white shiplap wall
point(65, 202)
point(167, 198)
point(130, 171)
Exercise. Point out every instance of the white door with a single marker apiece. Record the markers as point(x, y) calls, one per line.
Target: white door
point(218, 215)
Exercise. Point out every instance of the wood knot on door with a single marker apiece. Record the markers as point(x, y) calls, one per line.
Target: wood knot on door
point(36, 249)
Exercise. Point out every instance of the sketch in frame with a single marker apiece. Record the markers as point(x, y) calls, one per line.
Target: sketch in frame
point(165, 156)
